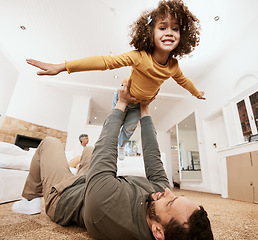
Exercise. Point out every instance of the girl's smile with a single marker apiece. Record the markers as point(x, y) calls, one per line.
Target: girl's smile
point(168, 41)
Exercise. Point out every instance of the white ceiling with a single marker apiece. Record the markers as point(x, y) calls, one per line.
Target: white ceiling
point(58, 30)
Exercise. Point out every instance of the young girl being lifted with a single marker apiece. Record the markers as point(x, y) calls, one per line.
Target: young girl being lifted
point(160, 36)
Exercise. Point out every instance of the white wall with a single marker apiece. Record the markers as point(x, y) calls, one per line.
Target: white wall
point(78, 119)
point(8, 79)
point(219, 85)
point(40, 104)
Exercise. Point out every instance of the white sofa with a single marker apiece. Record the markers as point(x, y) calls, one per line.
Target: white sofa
point(14, 169)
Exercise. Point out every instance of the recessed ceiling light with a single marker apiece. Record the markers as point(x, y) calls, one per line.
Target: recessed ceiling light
point(216, 18)
point(155, 108)
point(23, 27)
point(95, 118)
point(115, 76)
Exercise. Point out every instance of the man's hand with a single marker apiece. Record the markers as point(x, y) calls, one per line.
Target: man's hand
point(48, 68)
point(200, 96)
point(124, 96)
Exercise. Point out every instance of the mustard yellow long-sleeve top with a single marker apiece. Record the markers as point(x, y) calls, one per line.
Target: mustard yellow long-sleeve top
point(146, 76)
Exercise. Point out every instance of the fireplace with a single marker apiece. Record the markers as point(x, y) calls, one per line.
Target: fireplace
point(26, 142)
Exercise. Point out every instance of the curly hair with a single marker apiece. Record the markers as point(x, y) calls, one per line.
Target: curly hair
point(199, 227)
point(142, 30)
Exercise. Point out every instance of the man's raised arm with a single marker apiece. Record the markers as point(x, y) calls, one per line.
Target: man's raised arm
point(154, 169)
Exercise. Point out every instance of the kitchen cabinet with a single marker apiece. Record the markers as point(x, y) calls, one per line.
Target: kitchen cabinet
point(242, 173)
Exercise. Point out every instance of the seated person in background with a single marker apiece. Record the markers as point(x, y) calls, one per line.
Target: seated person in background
point(75, 161)
point(113, 207)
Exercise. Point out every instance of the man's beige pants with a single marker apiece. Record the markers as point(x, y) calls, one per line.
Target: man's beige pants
point(50, 175)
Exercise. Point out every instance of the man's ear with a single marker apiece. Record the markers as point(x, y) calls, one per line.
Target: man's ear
point(157, 231)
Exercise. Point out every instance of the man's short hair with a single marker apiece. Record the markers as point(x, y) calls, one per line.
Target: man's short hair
point(82, 136)
point(199, 227)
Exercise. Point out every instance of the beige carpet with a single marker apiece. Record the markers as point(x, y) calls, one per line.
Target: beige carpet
point(231, 220)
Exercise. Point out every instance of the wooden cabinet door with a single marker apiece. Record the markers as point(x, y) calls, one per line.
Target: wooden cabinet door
point(254, 157)
point(239, 172)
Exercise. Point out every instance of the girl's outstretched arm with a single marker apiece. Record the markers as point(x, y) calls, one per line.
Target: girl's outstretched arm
point(47, 68)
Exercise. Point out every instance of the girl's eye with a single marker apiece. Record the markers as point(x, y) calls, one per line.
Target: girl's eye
point(162, 28)
point(175, 29)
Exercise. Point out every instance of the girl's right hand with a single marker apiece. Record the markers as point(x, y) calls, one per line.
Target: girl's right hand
point(48, 68)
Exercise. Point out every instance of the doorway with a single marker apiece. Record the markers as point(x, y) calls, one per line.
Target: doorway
point(216, 139)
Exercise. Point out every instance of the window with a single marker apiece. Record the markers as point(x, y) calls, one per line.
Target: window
point(254, 104)
point(248, 114)
point(245, 124)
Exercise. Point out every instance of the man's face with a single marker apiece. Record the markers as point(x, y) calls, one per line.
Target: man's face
point(161, 207)
point(84, 141)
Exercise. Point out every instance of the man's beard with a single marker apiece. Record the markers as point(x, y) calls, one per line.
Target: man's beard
point(151, 211)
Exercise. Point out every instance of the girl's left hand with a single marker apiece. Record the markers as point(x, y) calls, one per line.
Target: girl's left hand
point(201, 95)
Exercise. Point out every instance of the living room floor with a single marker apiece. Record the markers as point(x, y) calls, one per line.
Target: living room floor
point(230, 220)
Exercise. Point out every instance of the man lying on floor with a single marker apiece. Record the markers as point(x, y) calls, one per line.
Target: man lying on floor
point(112, 207)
